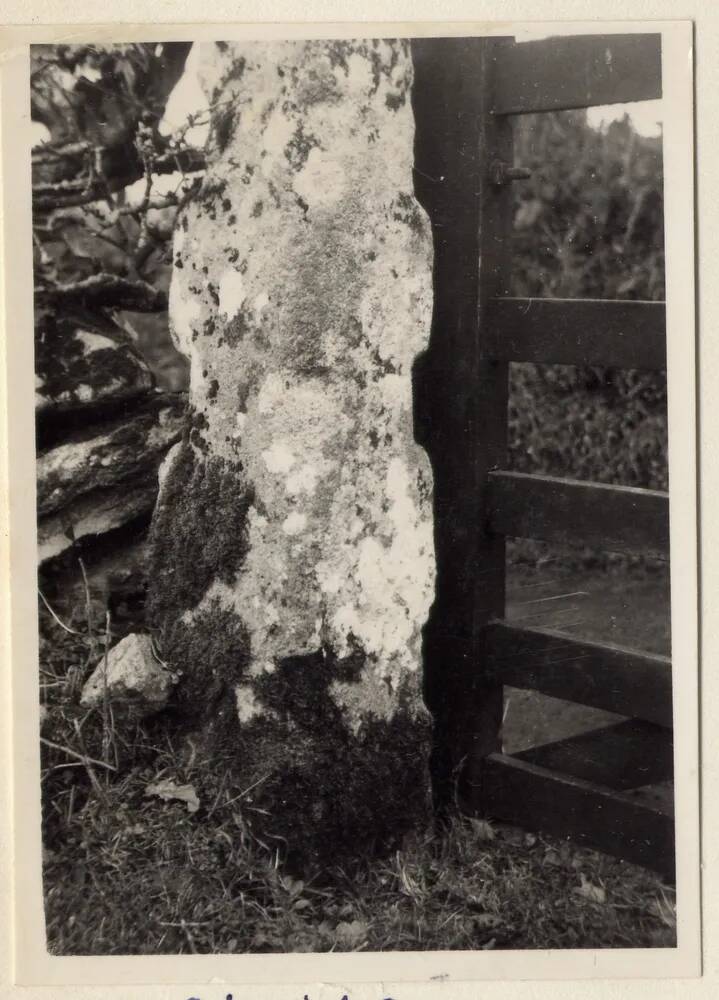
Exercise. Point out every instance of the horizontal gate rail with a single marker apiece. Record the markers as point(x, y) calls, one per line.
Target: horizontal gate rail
point(608, 333)
point(623, 756)
point(582, 71)
point(612, 518)
point(630, 825)
point(599, 675)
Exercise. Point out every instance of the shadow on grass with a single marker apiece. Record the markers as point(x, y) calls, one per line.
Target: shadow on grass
point(126, 874)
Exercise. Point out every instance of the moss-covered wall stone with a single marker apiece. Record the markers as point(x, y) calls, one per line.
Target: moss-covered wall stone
point(293, 532)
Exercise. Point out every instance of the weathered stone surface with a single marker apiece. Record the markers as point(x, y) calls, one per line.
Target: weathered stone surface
point(134, 678)
point(95, 513)
point(83, 360)
point(293, 563)
point(103, 455)
point(104, 477)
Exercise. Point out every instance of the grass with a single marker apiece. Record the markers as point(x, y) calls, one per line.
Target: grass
point(128, 873)
point(134, 876)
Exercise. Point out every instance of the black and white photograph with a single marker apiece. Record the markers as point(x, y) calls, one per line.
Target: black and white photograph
point(356, 623)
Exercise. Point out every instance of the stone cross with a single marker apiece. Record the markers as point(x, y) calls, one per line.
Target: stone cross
point(293, 560)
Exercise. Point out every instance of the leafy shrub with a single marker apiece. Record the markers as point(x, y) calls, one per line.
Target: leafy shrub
point(588, 224)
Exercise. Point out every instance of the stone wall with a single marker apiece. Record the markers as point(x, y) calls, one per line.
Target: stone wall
point(102, 430)
point(102, 425)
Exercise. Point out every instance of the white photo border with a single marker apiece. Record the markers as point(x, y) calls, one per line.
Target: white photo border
point(34, 966)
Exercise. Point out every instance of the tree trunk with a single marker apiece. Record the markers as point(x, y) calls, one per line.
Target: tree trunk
point(293, 563)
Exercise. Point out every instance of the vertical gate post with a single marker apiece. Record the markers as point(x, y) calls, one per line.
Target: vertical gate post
point(460, 395)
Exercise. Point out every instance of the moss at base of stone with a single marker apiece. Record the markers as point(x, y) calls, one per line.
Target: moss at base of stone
point(199, 532)
point(324, 794)
point(211, 652)
point(329, 798)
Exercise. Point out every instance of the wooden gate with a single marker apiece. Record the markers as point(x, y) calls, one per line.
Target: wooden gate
point(591, 787)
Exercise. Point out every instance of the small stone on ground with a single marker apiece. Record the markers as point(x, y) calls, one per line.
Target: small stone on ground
point(135, 677)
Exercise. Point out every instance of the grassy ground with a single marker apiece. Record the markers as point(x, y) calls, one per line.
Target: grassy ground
point(128, 873)
point(143, 877)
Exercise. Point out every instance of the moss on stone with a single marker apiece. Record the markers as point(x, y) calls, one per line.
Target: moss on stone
point(233, 73)
point(211, 652)
point(340, 51)
point(210, 195)
point(199, 532)
point(197, 423)
point(395, 101)
point(324, 794)
point(238, 327)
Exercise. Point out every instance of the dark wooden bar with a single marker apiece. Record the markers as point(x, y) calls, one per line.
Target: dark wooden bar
point(460, 393)
point(600, 675)
point(580, 71)
point(627, 755)
point(608, 333)
point(630, 825)
point(615, 518)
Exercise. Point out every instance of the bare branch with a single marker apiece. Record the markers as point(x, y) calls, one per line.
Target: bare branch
point(106, 291)
point(61, 180)
point(97, 223)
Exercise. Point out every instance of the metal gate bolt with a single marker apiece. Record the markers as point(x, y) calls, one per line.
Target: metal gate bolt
point(501, 173)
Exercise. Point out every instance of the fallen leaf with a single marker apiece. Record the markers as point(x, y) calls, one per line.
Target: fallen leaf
point(293, 886)
point(485, 921)
point(168, 790)
point(259, 940)
point(482, 829)
point(594, 893)
point(352, 933)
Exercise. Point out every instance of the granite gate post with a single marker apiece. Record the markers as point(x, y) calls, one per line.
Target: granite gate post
point(293, 560)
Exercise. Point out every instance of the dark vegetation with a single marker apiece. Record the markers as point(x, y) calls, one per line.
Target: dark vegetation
point(588, 224)
point(128, 873)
